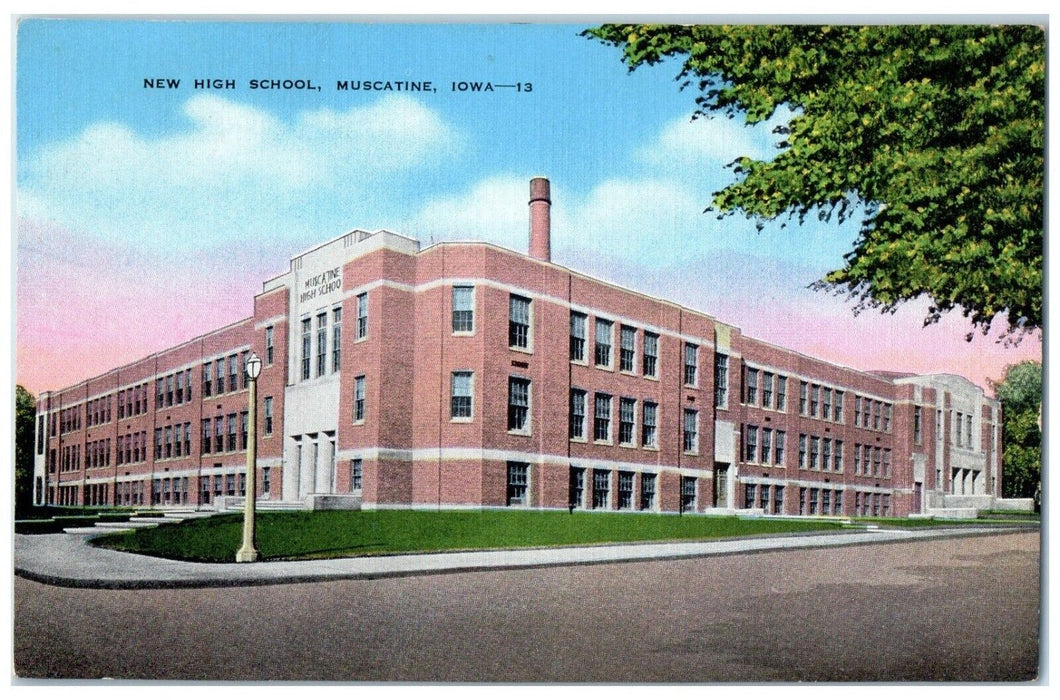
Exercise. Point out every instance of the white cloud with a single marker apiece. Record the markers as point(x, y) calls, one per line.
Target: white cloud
point(235, 171)
point(713, 142)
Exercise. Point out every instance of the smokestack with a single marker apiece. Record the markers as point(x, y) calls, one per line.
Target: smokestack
point(540, 219)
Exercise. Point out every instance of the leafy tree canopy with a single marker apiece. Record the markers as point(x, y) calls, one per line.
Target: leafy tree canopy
point(25, 415)
point(1020, 393)
point(938, 131)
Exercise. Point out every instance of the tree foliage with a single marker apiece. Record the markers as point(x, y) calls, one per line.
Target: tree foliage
point(25, 416)
point(938, 131)
point(1020, 393)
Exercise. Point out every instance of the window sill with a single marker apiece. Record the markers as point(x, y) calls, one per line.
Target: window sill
point(462, 420)
point(464, 334)
point(524, 351)
point(520, 433)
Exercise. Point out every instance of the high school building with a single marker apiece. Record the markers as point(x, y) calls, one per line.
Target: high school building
point(468, 375)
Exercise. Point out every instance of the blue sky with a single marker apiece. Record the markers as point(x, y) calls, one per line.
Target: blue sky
point(156, 180)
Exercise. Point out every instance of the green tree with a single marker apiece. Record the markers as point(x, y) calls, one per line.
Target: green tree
point(937, 132)
point(25, 418)
point(1020, 393)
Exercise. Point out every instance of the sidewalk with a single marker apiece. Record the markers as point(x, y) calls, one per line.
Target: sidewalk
point(68, 559)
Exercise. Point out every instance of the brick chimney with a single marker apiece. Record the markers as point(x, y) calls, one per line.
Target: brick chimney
point(540, 219)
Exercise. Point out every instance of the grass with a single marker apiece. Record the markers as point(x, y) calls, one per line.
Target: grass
point(329, 534)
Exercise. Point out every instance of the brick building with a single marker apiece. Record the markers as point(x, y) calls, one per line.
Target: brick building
point(468, 375)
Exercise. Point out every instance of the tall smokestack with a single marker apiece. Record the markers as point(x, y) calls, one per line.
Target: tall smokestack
point(540, 219)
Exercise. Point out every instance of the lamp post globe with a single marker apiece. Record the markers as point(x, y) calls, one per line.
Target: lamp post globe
point(249, 552)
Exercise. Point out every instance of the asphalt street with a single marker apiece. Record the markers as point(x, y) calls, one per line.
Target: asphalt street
point(956, 609)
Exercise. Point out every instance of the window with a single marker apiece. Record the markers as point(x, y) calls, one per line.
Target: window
point(160, 393)
point(886, 463)
point(232, 359)
point(826, 454)
point(601, 488)
point(803, 392)
point(782, 393)
point(336, 339)
point(778, 499)
point(627, 409)
point(837, 409)
point(218, 434)
point(358, 399)
point(180, 387)
point(322, 343)
point(266, 480)
point(691, 436)
point(876, 415)
point(857, 411)
point(721, 381)
point(518, 322)
point(518, 479)
point(577, 336)
point(838, 510)
point(603, 343)
point(230, 443)
point(958, 433)
point(688, 493)
point(968, 428)
point(750, 385)
point(647, 492)
point(362, 315)
point(576, 488)
point(463, 309)
point(778, 449)
point(269, 352)
point(602, 417)
point(767, 445)
point(306, 342)
point(460, 402)
point(625, 490)
point(749, 496)
point(648, 424)
point(875, 461)
point(916, 425)
point(577, 414)
point(691, 363)
point(826, 403)
point(268, 415)
point(857, 458)
point(938, 424)
point(158, 443)
point(887, 418)
point(518, 404)
point(628, 348)
point(651, 354)
point(750, 443)
point(356, 474)
point(815, 399)
point(838, 455)
point(813, 501)
point(815, 452)
point(826, 502)
point(763, 497)
point(243, 434)
point(767, 389)
point(169, 390)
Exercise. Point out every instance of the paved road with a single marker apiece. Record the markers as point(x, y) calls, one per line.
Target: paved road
point(952, 609)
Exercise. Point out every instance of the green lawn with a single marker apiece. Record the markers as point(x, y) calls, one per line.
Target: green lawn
point(324, 534)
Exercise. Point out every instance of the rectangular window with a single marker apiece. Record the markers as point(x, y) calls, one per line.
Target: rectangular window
point(307, 340)
point(826, 454)
point(603, 343)
point(207, 379)
point(826, 403)
point(721, 381)
point(649, 424)
point(857, 458)
point(232, 375)
point(767, 389)
point(804, 390)
point(876, 415)
point(802, 451)
point(875, 461)
point(778, 448)
point(180, 387)
point(243, 434)
point(651, 354)
point(968, 426)
point(691, 432)
point(886, 463)
point(688, 493)
point(218, 434)
point(627, 409)
point(767, 446)
point(518, 483)
point(463, 309)
point(518, 404)
point(749, 496)
point(763, 497)
point(577, 414)
point(782, 393)
point(917, 430)
point(518, 322)
point(750, 386)
point(815, 452)
point(778, 499)
point(362, 315)
point(691, 363)
point(625, 490)
point(601, 488)
point(602, 417)
point(322, 344)
point(838, 509)
point(268, 415)
point(460, 401)
point(356, 474)
point(244, 377)
point(576, 488)
point(826, 502)
point(813, 501)
point(266, 480)
point(815, 399)
point(887, 419)
point(628, 347)
point(577, 336)
point(838, 456)
point(169, 390)
point(269, 352)
point(336, 339)
point(160, 393)
point(837, 410)
point(750, 443)
point(857, 411)
point(938, 424)
point(358, 399)
point(158, 443)
point(187, 439)
point(647, 492)
point(230, 443)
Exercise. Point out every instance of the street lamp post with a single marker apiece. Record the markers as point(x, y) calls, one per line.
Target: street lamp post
point(248, 552)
